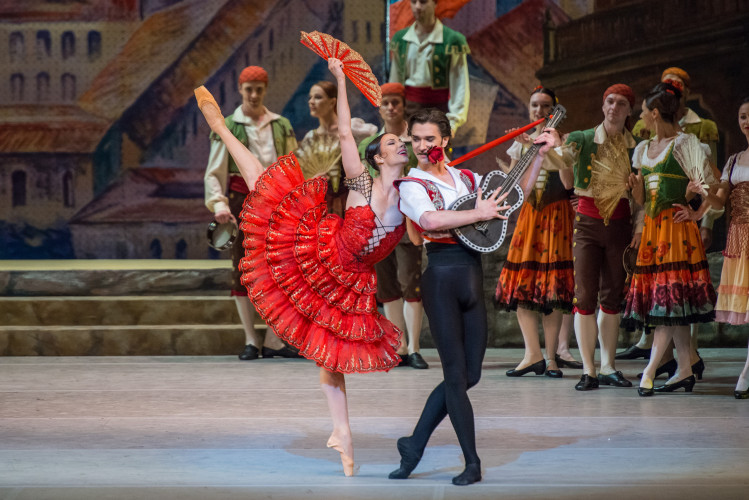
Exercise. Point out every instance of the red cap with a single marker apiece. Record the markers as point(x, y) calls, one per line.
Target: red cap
point(393, 88)
point(622, 90)
point(253, 74)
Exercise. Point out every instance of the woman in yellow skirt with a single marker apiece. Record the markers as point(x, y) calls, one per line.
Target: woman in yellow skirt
point(733, 292)
point(671, 286)
point(537, 277)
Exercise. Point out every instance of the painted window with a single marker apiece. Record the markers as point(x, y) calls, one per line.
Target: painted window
point(16, 47)
point(18, 180)
point(68, 45)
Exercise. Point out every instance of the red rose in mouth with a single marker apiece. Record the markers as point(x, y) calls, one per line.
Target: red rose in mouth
point(435, 155)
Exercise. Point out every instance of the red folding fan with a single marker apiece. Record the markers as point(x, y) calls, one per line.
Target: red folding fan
point(354, 66)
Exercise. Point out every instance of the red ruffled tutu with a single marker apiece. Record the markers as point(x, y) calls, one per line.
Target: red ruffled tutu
point(308, 276)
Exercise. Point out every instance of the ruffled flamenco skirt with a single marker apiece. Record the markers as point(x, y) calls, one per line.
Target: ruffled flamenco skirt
point(733, 292)
point(302, 274)
point(671, 284)
point(538, 273)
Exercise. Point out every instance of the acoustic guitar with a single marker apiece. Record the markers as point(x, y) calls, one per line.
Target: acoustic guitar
point(487, 236)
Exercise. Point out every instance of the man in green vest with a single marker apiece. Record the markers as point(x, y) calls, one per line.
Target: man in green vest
point(600, 236)
point(268, 136)
point(399, 274)
point(430, 60)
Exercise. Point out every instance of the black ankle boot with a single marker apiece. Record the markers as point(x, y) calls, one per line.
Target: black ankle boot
point(409, 459)
point(471, 474)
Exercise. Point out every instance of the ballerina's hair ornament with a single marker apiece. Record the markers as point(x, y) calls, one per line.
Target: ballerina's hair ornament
point(623, 90)
point(253, 74)
point(354, 66)
point(676, 72)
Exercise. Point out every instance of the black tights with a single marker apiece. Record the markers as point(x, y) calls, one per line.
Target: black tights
point(454, 303)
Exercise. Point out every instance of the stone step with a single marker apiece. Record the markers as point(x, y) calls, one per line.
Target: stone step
point(114, 277)
point(125, 310)
point(150, 340)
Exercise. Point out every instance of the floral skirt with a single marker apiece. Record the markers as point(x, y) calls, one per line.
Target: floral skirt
point(671, 284)
point(538, 273)
point(733, 292)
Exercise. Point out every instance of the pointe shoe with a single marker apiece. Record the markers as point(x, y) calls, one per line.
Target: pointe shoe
point(346, 460)
point(538, 368)
point(206, 104)
point(686, 383)
point(409, 459)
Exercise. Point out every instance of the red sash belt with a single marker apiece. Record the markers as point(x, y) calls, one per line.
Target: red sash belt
point(587, 206)
point(427, 95)
point(237, 183)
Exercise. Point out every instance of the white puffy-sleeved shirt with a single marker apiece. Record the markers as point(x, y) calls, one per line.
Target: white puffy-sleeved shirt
point(414, 200)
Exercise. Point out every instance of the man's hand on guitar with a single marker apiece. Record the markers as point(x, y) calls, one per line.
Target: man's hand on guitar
point(491, 207)
point(547, 140)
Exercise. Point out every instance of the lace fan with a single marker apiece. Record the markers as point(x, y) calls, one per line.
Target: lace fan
point(354, 66)
point(692, 158)
point(319, 155)
point(609, 176)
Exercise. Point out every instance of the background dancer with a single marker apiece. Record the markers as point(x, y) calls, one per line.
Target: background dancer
point(537, 277)
point(310, 275)
point(600, 236)
point(671, 285)
point(733, 292)
point(399, 274)
point(452, 289)
point(268, 136)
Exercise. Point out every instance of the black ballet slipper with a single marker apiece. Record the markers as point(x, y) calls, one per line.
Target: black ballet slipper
point(471, 474)
point(410, 458)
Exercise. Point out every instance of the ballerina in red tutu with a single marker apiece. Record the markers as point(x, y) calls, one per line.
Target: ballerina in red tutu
point(310, 274)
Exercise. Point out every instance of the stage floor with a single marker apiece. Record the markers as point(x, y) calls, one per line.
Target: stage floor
point(217, 428)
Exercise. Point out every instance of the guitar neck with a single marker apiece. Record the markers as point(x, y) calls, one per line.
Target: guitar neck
point(557, 114)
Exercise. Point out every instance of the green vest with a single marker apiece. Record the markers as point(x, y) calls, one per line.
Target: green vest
point(583, 141)
point(452, 43)
point(280, 129)
point(412, 160)
point(665, 184)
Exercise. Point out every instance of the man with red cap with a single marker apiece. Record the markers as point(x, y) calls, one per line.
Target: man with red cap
point(399, 274)
point(599, 237)
point(268, 136)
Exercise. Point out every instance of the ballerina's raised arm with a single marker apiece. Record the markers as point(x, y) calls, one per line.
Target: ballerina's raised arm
point(349, 152)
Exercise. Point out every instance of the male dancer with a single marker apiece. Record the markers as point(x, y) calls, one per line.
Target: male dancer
point(598, 246)
point(452, 289)
point(430, 60)
point(399, 274)
point(268, 136)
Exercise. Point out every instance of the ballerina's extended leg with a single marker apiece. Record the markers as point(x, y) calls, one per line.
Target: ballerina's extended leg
point(248, 164)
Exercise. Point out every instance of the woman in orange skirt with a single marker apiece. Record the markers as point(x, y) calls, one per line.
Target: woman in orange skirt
point(537, 277)
point(671, 286)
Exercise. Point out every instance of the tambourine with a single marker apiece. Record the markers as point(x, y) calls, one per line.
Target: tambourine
point(222, 236)
point(629, 261)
